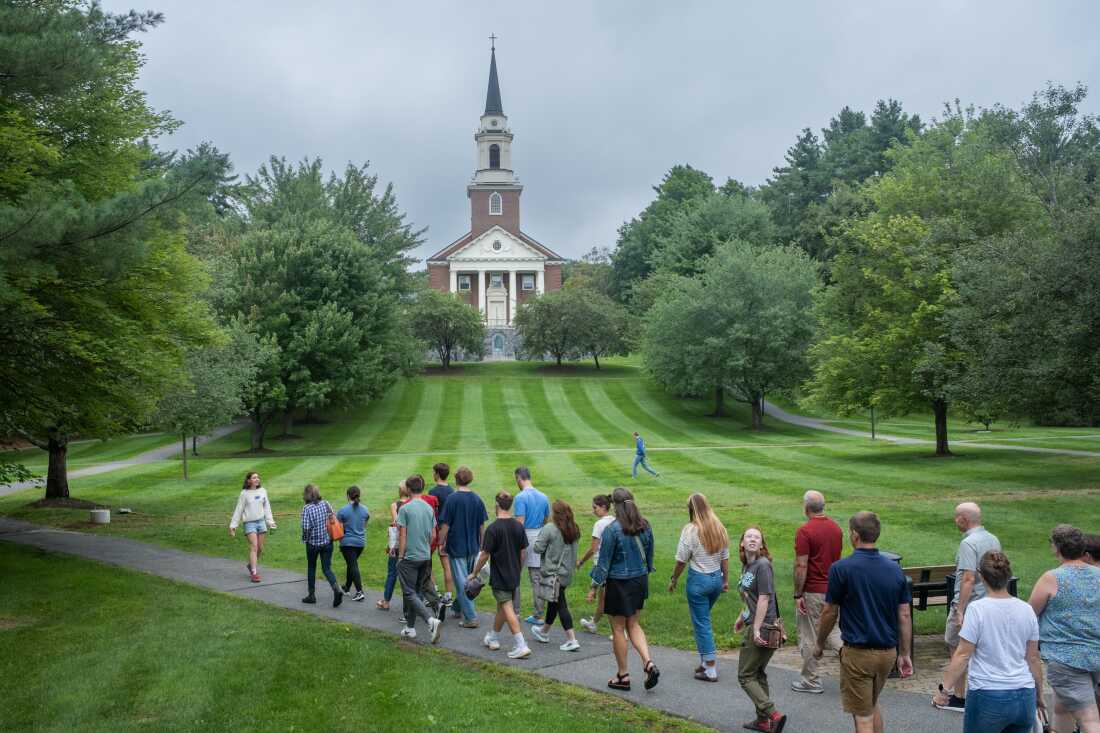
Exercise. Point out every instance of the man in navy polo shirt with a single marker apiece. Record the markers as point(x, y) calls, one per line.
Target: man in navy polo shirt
point(872, 598)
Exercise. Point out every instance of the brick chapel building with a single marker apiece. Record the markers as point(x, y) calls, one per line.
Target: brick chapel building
point(495, 266)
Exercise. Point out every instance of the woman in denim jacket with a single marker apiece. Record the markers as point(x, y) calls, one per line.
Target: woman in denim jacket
point(624, 564)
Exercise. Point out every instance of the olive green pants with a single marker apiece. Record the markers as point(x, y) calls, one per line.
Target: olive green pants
point(751, 663)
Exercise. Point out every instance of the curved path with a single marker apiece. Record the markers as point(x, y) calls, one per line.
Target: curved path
point(815, 424)
point(150, 456)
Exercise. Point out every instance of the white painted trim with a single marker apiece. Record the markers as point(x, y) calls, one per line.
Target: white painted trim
point(511, 296)
point(472, 254)
point(454, 281)
point(540, 282)
point(481, 288)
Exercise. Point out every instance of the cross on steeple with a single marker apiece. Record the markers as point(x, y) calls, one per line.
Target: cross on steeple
point(493, 41)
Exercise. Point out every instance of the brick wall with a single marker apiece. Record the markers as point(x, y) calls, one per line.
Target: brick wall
point(481, 221)
point(553, 278)
point(439, 277)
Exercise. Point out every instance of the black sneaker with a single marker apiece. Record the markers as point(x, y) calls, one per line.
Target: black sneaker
point(359, 596)
point(309, 599)
point(337, 598)
point(955, 704)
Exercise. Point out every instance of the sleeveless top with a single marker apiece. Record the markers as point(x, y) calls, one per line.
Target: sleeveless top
point(1069, 629)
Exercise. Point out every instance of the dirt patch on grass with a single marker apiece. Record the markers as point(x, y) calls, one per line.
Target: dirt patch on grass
point(66, 503)
point(9, 623)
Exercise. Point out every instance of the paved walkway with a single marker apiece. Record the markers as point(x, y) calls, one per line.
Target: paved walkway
point(811, 422)
point(151, 456)
point(722, 706)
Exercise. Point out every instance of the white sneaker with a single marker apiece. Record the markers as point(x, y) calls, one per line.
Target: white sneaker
point(570, 645)
point(434, 625)
point(492, 642)
point(539, 636)
point(408, 632)
point(520, 652)
point(590, 626)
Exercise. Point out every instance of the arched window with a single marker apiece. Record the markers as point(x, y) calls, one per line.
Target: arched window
point(496, 204)
point(494, 156)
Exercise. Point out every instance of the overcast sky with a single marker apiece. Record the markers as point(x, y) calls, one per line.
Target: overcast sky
point(603, 97)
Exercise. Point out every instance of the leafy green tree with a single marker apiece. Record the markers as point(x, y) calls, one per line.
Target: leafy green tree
point(547, 325)
point(631, 261)
point(717, 218)
point(215, 378)
point(96, 287)
point(741, 328)
point(447, 323)
point(885, 312)
point(591, 272)
point(602, 325)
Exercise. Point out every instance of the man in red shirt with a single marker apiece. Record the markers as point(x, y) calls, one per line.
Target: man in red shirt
point(817, 545)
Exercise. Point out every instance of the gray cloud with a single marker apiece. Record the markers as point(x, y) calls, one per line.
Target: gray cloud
point(603, 97)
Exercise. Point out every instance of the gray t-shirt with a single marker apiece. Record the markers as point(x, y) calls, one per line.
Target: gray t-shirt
point(418, 519)
point(757, 580)
point(975, 543)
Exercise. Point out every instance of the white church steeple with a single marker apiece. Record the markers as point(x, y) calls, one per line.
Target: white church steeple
point(494, 139)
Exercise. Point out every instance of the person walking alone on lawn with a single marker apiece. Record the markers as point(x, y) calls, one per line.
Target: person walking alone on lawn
point(757, 587)
point(504, 545)
point(254, 509)
point(557, 544)
point(704, 549)
point(531, 509)
point(817, 545)
point(415, 532)
point(639, 458)
point(354, 516)
point(969, 587)
point(871, 596)
point(1067, 602)
point(441, 491)
point(999, 645)
point(601, 508)
point(318, 544)
point(624, 564)
point(460, 530)
point(403, 497)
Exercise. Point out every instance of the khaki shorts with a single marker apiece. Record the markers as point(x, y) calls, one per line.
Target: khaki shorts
point(951, 631)
point(863, 674)
point(502, 596)
point(1074, 688)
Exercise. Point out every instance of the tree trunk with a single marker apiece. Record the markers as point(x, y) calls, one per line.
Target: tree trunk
point(558, 357)
point(288, 423)
point(719, 402)
point(258, 429)
point(939, 408)
point(57, 475)
point(597, 359)
point(185, 476)
point(194, 445)
point(758, 411)
point(872, 422)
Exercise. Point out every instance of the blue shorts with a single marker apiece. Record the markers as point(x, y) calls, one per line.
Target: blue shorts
point(257, 527)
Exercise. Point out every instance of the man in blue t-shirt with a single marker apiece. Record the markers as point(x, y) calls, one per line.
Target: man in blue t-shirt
point(872, 597)
point(461, 521)
point(531, 508)
point(639, 458)
point(441, 491)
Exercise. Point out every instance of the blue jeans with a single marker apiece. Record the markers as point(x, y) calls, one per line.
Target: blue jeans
point(999, 711)
point(391, 577)
point(460, 568)
point(703, 591)
point(325, 553)
point(639, 460)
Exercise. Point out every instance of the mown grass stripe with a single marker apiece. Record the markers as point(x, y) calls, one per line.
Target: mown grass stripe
point(617, 395)
point(420, 422)
point(499, 431)
point(579, 402)
point(545, 417)
point(447, 431)
point(364, 427)
point(472, 432)
point(399, 424)
point(576, 422)
point(529, 434)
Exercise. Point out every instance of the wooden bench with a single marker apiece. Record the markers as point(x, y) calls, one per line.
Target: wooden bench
point(934, 585)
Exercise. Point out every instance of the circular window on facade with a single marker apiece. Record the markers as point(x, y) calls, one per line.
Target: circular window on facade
point(493, 123)
point(497, 246)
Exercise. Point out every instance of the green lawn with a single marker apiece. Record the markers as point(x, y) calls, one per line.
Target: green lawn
point(93, 648)
point(573, 429)
point(89, 452)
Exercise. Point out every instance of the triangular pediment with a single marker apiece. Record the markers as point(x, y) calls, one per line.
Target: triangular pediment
point(497, 244)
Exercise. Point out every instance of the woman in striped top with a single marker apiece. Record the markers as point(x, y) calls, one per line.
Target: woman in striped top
point(705, 550)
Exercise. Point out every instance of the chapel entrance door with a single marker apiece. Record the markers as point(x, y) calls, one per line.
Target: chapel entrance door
point(497, 316)
point(498, 345)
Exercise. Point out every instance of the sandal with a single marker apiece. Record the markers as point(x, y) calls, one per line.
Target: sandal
point(619, 682)
point(652, 675)
point(702, 677)
point(381, 605)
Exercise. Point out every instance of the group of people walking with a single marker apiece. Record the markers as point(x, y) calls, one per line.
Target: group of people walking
point(858, 606)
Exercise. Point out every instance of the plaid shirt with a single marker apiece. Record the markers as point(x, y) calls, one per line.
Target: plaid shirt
point(314, 528)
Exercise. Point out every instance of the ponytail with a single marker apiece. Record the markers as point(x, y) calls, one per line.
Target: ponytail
point(353, 494)
point(626, 511)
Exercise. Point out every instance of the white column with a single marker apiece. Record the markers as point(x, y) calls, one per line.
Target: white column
point(511, 296)
point(481, 303)
point(540, 277)
point(454, 278)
